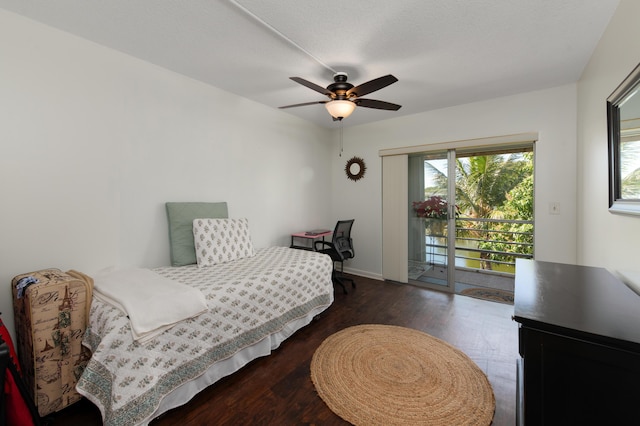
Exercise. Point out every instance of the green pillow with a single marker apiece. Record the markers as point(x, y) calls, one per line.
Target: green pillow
point(180, 217)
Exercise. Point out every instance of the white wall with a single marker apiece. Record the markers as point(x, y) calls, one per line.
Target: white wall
point(605, 239)
point(551, 113)
point(94, 142)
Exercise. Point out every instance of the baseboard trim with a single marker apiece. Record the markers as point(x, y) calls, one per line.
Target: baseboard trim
point(365, 274)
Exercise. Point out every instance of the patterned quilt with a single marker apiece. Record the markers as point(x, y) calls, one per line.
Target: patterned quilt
point(248, 299)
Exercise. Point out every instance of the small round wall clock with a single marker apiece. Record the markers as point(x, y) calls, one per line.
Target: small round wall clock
point(355, 168)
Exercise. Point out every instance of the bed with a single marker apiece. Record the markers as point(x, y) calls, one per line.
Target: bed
point(253, 303)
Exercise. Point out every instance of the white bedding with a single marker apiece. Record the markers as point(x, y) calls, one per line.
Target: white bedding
point(253, 305)
point(152, 302)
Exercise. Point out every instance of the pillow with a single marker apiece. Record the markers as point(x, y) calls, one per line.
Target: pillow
point(180, 217)
point(221, 240)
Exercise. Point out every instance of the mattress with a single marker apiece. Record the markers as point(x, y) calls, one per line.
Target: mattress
point(253, 305)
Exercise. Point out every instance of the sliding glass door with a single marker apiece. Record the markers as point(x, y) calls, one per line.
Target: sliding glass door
point(429, 224)
point(470, 215)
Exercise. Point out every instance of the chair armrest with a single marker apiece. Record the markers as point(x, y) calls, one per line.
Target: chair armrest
point(322, 245)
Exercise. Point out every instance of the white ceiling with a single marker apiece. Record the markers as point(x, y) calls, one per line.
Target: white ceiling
point(444, 52)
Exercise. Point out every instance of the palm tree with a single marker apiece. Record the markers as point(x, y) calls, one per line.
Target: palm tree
point(483, 191)
point(630, 173)
point(483, 183)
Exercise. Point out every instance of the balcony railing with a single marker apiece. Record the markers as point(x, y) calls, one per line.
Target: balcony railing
point(484, 244)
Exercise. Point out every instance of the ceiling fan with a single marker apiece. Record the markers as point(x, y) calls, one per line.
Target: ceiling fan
point(344, 97)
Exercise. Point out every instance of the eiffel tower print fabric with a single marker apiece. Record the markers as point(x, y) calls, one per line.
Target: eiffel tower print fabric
point(51, 308)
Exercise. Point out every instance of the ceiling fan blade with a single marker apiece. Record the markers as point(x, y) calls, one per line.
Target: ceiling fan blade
point(372, 103)
point(303, 104)
point(311, 86)
point(372, 86)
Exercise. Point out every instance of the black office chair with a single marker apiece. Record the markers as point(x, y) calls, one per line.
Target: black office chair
point(340, 249)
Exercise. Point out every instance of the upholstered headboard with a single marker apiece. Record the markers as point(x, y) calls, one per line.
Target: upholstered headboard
point(180, 217)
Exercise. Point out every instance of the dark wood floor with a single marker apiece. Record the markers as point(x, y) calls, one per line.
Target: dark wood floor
point(277, 389)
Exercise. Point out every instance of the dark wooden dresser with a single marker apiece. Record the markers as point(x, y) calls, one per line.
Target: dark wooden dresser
point(579, 342)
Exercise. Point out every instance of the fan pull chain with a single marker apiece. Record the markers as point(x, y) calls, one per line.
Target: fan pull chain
point(276, 31)
point(341, 138)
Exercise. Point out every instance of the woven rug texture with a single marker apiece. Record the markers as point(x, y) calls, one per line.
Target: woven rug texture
point(493, 294)
point(376, 374)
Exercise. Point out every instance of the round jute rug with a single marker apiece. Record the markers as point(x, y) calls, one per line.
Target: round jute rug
point(387, 375)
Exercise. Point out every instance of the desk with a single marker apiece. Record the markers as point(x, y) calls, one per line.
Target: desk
point(579, 340)
point(308, 238)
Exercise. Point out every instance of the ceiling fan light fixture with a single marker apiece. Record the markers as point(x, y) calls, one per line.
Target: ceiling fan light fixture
point(340, 108)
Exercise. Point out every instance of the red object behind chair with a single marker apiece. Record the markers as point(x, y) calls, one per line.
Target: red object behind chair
point(16, 407)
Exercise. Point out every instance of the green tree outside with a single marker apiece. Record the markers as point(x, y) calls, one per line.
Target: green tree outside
point(497, 186)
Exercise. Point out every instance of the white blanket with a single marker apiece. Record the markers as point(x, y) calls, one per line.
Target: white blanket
point(152, 302)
